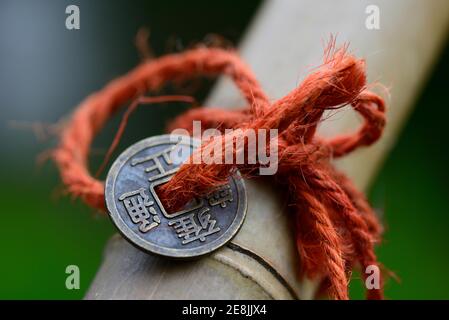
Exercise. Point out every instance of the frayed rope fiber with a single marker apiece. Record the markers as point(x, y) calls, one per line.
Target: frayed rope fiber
point(336, 229)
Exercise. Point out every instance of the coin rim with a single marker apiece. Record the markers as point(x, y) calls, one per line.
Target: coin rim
point(139, 242)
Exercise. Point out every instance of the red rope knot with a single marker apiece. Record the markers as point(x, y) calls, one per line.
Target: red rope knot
point(335, 226)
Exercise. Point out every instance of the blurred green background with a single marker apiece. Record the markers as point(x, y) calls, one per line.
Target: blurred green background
point(46, 70)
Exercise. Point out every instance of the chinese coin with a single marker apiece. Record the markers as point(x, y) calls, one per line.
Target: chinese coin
point(203, 225)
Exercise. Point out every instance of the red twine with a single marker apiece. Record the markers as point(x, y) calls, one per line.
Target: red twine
point(335, 227)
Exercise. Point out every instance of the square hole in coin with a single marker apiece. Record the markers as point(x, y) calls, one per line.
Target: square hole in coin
point(192, 205)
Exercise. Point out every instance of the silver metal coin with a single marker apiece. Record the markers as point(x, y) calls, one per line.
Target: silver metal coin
point(203, 225)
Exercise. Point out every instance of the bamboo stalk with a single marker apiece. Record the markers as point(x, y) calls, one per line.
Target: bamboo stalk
point(285, 41)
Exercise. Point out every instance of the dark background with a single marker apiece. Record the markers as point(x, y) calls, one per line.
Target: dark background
point(46, 70)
